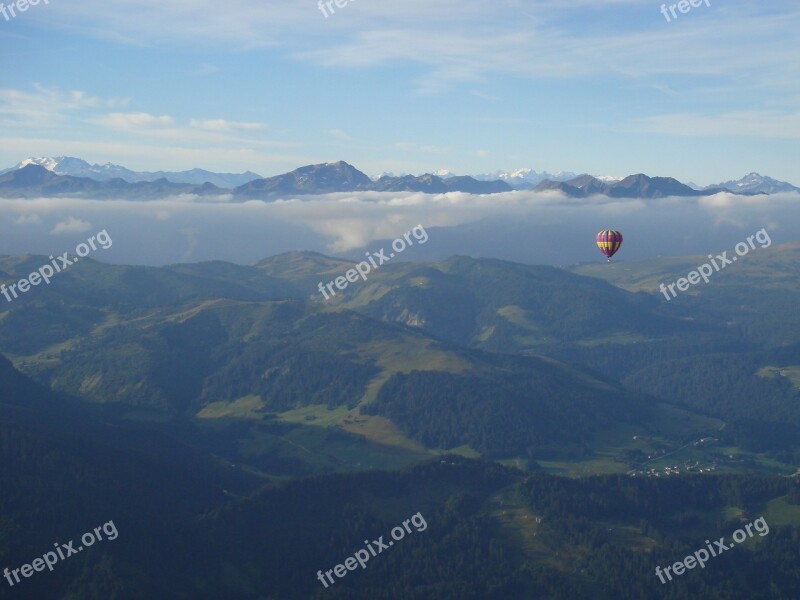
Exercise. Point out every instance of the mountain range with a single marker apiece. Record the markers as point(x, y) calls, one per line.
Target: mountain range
point(343, 177)
point(525, 179)
point(633, 186)
point(642, 186)
point(34, 180)
point(66, 176)
point(519, 179)
point(428, 357)
point(76, 167)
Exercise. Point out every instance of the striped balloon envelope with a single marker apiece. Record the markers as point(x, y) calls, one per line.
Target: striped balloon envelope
point(609, 242)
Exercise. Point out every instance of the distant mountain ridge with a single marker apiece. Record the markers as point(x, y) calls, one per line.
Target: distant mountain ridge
point(312, 179)
point(76, 167)
point(37, 181)
point(754, 183)
point(48, 177)
point(524, 179)
point(343, 177)
point(633, 186)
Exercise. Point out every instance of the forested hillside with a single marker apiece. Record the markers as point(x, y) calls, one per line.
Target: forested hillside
point(243, 435)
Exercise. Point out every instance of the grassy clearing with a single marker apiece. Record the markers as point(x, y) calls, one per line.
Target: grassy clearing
point(732, 513)
point(518, 316)
point(464, 451)
point(324, 450)
point(49, 357)
point(381, 430)
point(780, 512)
point(318, 415)
point(519, 524)
point(791, 372)
point(248, 407)
point(411, 355)
point(375, 429)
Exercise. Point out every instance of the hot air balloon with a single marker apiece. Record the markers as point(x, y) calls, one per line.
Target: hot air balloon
point(609, 242)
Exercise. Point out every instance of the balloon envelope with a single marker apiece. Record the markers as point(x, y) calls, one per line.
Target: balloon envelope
point(609, 242)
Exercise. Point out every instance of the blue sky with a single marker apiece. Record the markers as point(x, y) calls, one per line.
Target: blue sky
point(600, 86)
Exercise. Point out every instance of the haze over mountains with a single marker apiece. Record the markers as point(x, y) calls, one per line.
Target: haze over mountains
point(76, 167)
point(71, 176)
point(566, 349)
point(251, 417)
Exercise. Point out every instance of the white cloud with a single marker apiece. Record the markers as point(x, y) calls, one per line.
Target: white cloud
point(78, 115)
point(71, 225)
point(47, 106)
point(467, 40)
point(752, 123)
point(166, 127)
point(353, 219)
point(224, 125)
point(134, 121)
point(163, 231)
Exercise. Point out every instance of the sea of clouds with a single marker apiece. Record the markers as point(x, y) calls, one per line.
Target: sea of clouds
point(522, 226)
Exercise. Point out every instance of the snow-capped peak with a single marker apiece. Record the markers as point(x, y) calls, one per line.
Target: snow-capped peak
point(43, 161)
point(518, 173)
point(522, 173)
point(755, 183)
point(750, 179)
